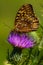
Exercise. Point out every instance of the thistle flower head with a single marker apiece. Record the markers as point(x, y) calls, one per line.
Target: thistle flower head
point(21, 40)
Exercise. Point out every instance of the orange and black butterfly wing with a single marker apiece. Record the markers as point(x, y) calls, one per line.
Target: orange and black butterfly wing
point(26, 20)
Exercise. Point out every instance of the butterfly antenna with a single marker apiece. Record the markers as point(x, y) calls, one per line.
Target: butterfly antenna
point(7, 25)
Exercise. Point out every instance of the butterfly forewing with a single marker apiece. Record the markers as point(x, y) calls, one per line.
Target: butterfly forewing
point(26, 20)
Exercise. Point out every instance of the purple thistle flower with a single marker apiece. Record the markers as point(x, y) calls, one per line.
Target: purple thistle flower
point(21, 40)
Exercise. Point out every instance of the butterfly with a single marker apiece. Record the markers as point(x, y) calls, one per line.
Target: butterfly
point(26, 20)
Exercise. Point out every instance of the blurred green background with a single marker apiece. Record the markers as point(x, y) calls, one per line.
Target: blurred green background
point(8, 10)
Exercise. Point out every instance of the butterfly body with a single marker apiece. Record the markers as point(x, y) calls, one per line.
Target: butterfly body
point(26, 20)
